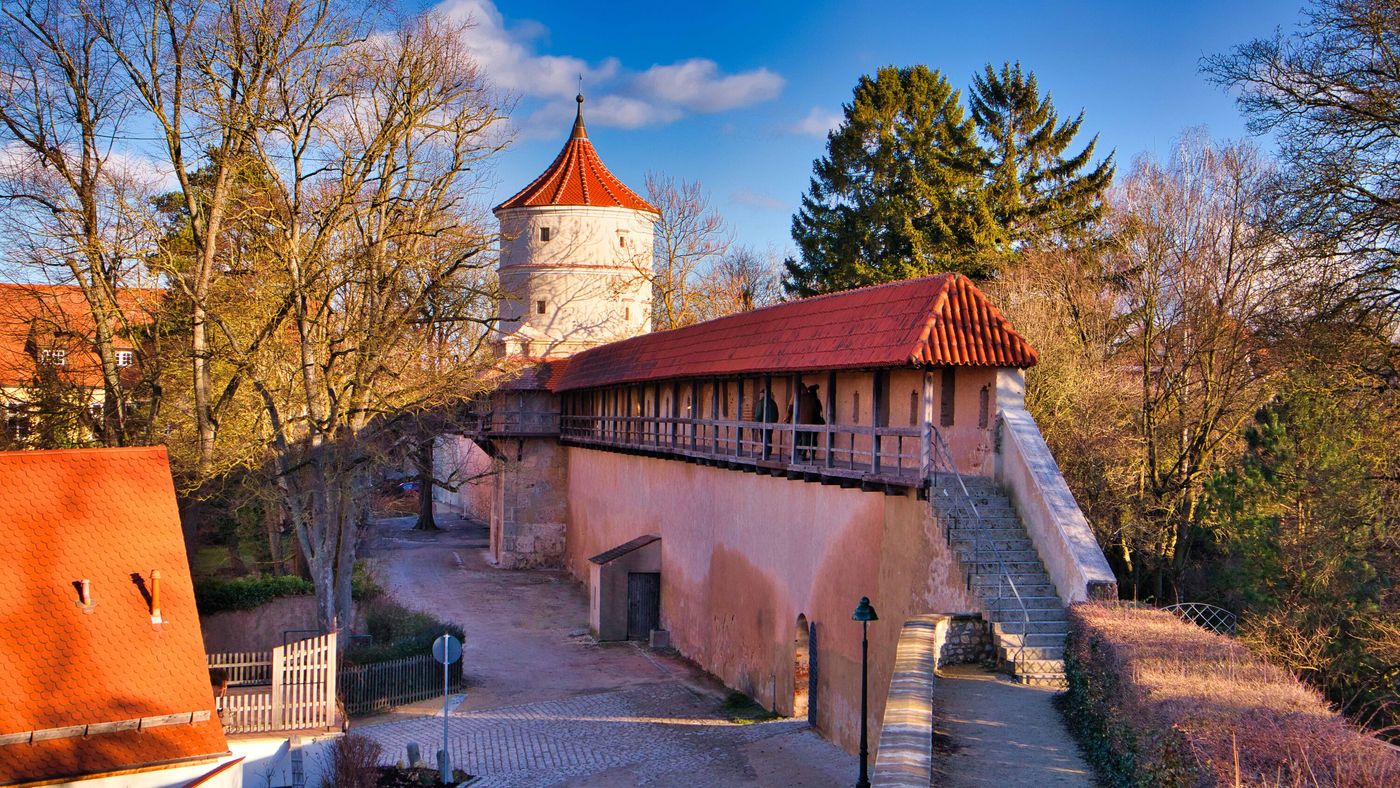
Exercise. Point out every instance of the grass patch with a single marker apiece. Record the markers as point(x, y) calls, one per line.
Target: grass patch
point(743, 710)
point(1156, 701)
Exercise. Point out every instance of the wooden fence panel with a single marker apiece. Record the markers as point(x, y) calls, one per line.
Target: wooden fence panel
point(300, 679)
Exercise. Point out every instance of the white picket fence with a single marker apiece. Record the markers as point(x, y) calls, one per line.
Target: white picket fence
point(300, 681)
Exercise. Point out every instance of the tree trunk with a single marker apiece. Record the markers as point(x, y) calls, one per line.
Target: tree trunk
point(425, 487)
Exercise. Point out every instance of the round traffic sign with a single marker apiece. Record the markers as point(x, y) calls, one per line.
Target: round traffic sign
point(447, 649)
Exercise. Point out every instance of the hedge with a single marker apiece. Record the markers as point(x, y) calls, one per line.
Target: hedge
point(1156, 701)
point(215, 595)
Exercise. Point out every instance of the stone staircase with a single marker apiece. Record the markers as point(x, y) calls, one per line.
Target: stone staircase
point(1033, 651)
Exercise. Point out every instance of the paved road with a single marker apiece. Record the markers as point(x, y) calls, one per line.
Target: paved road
point(995, 732)
point(547, 706)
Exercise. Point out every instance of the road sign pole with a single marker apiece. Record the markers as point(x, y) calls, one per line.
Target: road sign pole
point(446, 758)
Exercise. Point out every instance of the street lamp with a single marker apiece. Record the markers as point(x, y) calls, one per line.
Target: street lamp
point(864, 614)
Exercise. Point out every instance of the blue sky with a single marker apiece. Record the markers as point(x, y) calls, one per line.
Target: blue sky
point(738, 95)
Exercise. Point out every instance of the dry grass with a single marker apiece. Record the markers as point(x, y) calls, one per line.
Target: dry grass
point(1159, 701)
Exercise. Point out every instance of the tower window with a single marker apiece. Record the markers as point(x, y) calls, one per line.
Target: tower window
point(55, 358)
point(545, 233)
point(539, 307)
point(622, 240)
point(627, 313)
point(125, 358)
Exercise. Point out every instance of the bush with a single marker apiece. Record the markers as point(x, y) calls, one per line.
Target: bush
point(354, 763)
point(212, 595)
point(1155, 701)
point(395, 632)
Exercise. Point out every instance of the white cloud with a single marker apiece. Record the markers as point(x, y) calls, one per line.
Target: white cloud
point(817, 123)
point(698, 85)
point(753, 199)
point(617, 96)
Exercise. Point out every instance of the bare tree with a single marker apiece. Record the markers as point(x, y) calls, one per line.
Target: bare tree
point(690, 235)
point(740, 281)
point(1331, 95)
point(377, 248)
point(1199, 277)
point(74, 207)
point(206, 75)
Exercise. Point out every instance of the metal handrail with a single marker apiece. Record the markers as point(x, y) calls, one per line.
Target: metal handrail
point(941, 456)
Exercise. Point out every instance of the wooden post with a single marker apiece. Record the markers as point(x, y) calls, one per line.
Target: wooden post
point(926, 428)
point(876, 413)
point(278, 665)
point(331, 659)
point(830, 418)
point(739, 417)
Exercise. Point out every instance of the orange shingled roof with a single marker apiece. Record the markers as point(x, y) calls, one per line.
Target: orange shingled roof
point(939, 320)
point(577, 177)
point(34, 317)
point(104, 515)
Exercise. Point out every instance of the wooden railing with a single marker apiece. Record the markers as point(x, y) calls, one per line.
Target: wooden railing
point(888, 455)
point(515, 422)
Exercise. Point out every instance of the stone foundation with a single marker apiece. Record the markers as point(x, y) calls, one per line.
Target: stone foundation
point(969, 640)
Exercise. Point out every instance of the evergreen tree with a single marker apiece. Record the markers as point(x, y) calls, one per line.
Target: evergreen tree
point(1037, 193)
point(899, 193)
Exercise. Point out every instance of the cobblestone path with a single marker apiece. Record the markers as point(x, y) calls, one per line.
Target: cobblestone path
point(546, 706)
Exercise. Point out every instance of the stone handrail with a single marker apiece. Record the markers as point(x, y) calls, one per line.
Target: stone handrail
point(1052, 518)
point(905, 757)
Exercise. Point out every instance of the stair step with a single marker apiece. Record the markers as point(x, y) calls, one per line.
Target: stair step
point(1025, 582)
point(1038, 666)
point(1007, 556)
point(1052, 680)
point(1026, 586)
point(1012, 640)
point(1009, 603)
point(1034, 627)
point(1001, 543)
point(1012, 567)
point(1052, 653)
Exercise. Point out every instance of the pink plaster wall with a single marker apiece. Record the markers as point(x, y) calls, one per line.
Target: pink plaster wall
point(743, 555)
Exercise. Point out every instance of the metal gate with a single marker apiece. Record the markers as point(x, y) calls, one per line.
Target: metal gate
point(643, 604)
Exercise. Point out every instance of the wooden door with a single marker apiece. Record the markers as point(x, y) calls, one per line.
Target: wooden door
point(643, 604)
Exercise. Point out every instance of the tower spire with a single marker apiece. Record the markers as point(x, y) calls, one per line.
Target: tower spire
point(580, 133)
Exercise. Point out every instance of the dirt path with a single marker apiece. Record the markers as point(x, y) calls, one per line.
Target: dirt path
point(992, 731)
point(526, 631)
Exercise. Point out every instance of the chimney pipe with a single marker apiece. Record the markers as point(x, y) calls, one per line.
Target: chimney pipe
point(85, 595)
point(155, 597)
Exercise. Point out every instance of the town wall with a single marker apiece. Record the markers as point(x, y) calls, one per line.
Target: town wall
point(743, 555)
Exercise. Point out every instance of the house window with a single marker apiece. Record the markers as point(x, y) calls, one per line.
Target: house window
point(125, 358)
point(855, 407)
point(545, 233)
point(539, 307)
point(16, 423)
point(913, 408)
point(54, 357)
point(984, 406)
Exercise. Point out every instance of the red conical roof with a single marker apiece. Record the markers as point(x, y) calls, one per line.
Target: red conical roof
point(578, 177)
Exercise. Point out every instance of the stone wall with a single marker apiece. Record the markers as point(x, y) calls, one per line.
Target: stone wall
point(969, 640)
point(529, 510)
point(743, 555)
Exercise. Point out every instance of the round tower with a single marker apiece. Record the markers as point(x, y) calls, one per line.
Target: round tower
point(576, 255)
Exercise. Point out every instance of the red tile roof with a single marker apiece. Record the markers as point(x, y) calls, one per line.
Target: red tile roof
point(577, 177)
point(34, 317)
point(939, 320)
point(106, 515)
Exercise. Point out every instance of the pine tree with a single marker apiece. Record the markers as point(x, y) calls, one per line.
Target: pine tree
point(1037, 194)
point(898, 194)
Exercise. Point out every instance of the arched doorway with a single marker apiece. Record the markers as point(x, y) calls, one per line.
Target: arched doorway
point(801, 669)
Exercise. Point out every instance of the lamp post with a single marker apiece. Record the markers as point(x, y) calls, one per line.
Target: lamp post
point(864, 614)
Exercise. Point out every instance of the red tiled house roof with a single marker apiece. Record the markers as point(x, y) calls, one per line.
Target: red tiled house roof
point(577, 177)
point(107, 515)
point(939, 320)
point(35, 317)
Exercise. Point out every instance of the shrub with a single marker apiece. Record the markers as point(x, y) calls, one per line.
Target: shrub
point(212, 595)
point(395, 631)
point(354, 763)
point(1155, 701)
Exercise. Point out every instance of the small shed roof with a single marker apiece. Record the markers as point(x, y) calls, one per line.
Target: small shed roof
point(939, 320)
point(107, 516)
